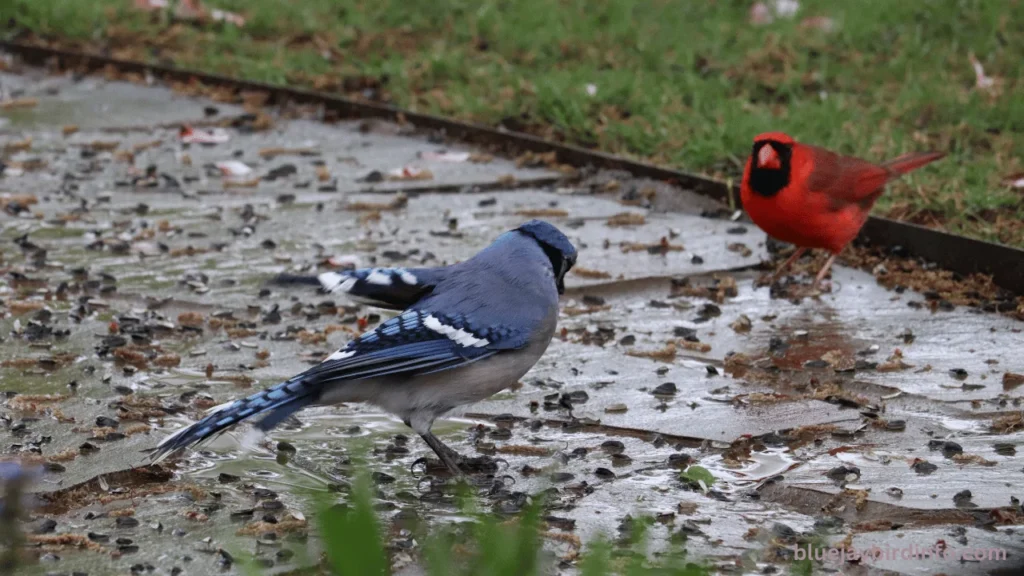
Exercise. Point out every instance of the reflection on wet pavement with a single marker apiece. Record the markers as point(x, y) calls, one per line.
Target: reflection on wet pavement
point(135, 296)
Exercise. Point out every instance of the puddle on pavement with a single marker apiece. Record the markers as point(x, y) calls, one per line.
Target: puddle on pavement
point(668, 355)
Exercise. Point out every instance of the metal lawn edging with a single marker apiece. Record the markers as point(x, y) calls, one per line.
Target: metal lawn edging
point(959, 254)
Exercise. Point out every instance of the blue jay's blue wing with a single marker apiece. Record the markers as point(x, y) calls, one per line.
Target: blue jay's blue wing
point(390, 288)
point(414, 343)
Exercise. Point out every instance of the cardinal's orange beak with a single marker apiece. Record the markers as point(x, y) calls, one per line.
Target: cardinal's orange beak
point(768, 158)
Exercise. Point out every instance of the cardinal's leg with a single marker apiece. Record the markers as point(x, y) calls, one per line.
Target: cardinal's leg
point(824, 271)
point(789, 261)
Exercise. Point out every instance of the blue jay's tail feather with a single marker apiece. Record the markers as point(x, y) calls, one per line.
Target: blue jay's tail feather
point(278, 402)
point(390, 288)
point(295, 279)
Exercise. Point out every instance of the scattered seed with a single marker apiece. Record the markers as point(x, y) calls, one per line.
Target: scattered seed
point(679, 461)
point(666, 389)
point(1012, 381)
point(923, 467)
point(621, 460)
point(844, 474)
point(1005, 449)
point(613, 447)
point(126, 522)
point(896, 425)
point(962, 499)
point(742, 324)
point(627, 219)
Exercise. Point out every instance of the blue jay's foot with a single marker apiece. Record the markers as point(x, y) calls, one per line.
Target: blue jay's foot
point(455, 463)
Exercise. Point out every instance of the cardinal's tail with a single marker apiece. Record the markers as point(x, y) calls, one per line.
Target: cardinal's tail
point(912, 161)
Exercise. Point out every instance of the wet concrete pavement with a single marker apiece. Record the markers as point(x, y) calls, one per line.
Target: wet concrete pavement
point(135, 296)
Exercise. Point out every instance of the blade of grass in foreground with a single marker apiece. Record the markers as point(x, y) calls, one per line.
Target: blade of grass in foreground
point(488, 545)
point(493, 546)
point(352, 536)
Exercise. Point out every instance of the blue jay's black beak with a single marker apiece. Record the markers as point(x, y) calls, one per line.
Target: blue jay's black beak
point(563, 269)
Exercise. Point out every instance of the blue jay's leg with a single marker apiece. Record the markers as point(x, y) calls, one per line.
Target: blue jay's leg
point(456, 463)
point(421, 423)
point(450, 458)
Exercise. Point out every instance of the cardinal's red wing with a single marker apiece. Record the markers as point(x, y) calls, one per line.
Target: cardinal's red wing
point(846, 180)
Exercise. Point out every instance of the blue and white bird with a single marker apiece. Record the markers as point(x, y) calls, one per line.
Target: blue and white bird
point(467, 331)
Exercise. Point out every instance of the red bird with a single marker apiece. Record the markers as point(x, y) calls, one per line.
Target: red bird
point(812, 197)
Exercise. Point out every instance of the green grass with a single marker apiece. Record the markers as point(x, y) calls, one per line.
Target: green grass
point(681, 83)
point(490, 545)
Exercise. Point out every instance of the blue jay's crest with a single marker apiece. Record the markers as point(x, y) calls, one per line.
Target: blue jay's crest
point(559, 250)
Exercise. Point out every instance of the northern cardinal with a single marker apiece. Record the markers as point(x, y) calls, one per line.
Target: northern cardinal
point(812, 197)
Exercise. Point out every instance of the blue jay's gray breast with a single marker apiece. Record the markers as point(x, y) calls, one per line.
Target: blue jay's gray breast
point(424, 398)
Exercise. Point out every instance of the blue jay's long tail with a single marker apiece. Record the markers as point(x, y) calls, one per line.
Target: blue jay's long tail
point(391, 288)
point(412, 343)
point(295, 279)
point(278, 402)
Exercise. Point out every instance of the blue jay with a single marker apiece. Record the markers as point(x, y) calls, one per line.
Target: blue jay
point(466, 332)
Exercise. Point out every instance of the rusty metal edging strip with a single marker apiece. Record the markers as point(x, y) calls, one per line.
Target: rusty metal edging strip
point(957, 253)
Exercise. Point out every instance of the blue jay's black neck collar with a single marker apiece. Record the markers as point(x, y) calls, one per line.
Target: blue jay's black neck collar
point(559, 250)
